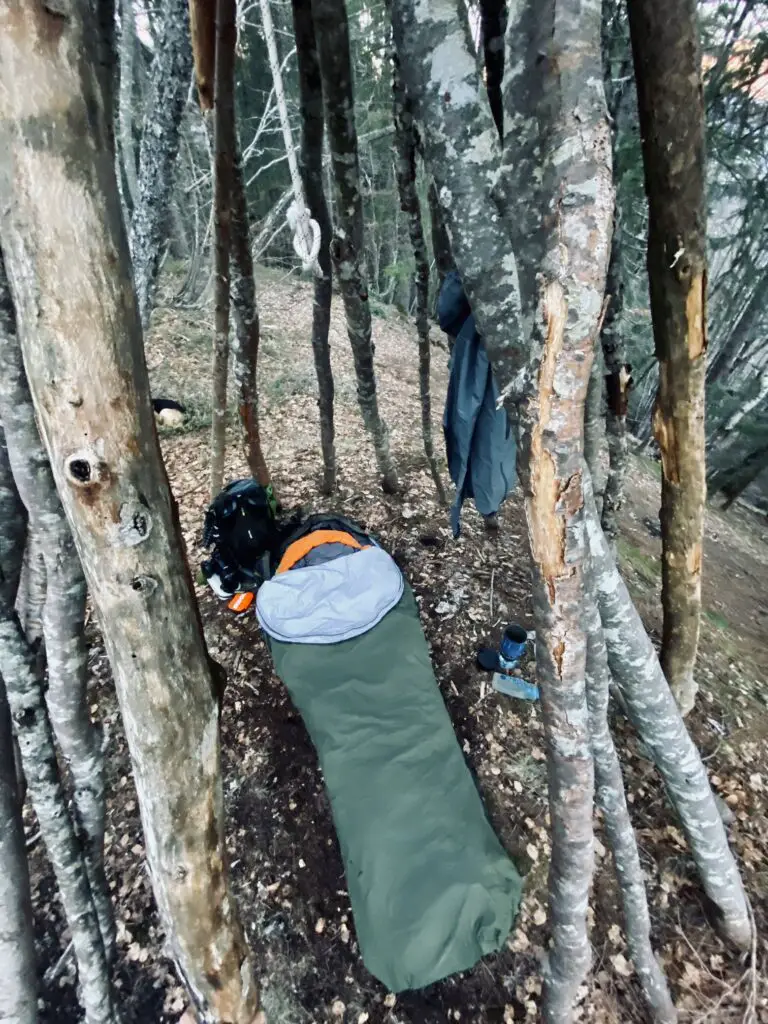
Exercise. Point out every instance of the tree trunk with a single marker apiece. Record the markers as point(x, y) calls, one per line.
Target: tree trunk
point(68, 264)
point(405, 136)
point(617, 383)
point(169, 84)
point(127, 148)
point(348, 247)
point(63, 619)
point(562, 269)
point(667, 61)
point(493, 24)
point(311, 168)
point(18, 988)
point(202, 27)
point(23, 686)
point(611, 800)
point(565, 267)
point(224, 145)
point(245, 350)
point(656, 717)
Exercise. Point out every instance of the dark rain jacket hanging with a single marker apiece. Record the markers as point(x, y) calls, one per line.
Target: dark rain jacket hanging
point(479, 441)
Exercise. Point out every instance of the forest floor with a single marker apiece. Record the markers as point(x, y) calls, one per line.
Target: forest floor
point(286, 867)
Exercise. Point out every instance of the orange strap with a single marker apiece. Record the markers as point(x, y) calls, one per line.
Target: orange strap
point(301, 547)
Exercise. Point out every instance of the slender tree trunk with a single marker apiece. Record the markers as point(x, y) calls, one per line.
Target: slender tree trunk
point(245, 350)
point(565, 261)
point(24, 691)
point(169, 74)
point(611, 800)
point(656, 717)
point(405, 135)
point(311, 168)
point(18, 974)
point(665, 44)
point(68, 264)
point(127, 149)
point(563, 269)
point(30, 599)
point(63, 612)
point(24, 686)
point(224, 144)
point(493, 24)
point(617, 384)
point(348, 248)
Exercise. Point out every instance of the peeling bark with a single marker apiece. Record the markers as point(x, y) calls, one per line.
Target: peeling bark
point(667, 59)
point(611, 800)
point(564, 263)
point(618, 380)
point(169, 85)
point(348, 246)
point(405, 141)
point(224, 144)
point(18, 987)
point(655, 715)
point(245, 348)
point(202, 27)
point(63, 611)
point(68, 264)
point(311, 169)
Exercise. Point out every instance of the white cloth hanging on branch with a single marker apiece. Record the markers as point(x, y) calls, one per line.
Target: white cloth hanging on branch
point(306, 231)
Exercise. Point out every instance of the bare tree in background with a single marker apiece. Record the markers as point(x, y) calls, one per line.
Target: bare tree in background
point(68, 263)
point(332, 36)
point(169, 84)
point(224, 142)
point(405, 139)
point(311, 168)
point(233, 230)
point(667, 57)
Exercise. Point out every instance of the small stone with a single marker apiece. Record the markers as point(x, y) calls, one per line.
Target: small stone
point(390, 1000)
point(338, 1008)
point(320, 926)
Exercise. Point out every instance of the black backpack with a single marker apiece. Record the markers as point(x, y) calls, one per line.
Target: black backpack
point(240, 523)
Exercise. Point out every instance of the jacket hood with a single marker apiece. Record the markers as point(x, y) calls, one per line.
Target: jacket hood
point(452, 305)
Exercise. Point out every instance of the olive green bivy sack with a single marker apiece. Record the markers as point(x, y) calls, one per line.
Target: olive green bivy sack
point(432, 889)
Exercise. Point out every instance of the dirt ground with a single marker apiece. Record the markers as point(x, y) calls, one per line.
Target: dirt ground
point(286, 868)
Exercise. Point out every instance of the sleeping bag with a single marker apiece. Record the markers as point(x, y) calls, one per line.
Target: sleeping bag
point(431, 888)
